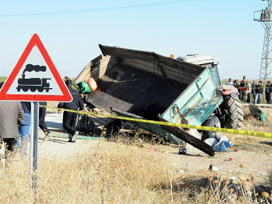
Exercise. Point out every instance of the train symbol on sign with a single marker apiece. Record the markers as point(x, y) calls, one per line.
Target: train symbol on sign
point(33, 84)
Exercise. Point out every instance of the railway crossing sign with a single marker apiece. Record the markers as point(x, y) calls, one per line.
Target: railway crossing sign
point(35, 77)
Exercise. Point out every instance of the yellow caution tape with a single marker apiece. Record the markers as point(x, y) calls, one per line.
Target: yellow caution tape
point(214, 129)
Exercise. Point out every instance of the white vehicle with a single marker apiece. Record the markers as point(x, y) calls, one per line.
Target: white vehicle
point(202, 60)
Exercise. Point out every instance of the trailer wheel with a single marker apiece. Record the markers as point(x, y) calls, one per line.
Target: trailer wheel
point(233, 115)
point(212, 121)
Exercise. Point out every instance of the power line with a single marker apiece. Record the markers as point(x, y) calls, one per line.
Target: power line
point(164, 3)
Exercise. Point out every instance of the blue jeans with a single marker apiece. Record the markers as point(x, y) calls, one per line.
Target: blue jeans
point(258, 98)
point(24, 136)
point(24, 130)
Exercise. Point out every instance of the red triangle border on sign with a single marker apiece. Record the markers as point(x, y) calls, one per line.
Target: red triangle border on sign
point(66, 97)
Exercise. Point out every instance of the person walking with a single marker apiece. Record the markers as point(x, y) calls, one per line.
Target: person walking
point(69, 118)
point(259, 91)
point(253, 90)
point(268, 92)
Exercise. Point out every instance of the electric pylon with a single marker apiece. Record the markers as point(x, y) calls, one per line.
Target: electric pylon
point(264, 17)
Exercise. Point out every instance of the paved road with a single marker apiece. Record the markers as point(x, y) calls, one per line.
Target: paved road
point(57, 145)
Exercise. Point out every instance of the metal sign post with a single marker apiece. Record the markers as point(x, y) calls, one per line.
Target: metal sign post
point(33, 158)
point(34, 78)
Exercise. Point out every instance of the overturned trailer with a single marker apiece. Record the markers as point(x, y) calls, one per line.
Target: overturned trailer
point(142, 84)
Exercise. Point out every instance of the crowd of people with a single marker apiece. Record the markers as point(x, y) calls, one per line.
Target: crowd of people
point(15, 120)
point(252, 92)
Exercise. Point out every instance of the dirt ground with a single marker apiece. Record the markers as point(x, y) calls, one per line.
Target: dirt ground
point(248, 156)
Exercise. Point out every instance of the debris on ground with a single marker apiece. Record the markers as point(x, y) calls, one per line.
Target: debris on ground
point(213, 168)
point(219, 142)
point(257, 113)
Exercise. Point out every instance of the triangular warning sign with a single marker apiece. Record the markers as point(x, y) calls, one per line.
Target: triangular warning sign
point(35, 77)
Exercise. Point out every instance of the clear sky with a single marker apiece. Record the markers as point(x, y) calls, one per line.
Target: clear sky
point(223, 29)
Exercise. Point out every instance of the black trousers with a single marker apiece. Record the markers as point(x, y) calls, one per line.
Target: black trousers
point(42, 112)
point(69, 122)
point(268, 98)
point(10, 143)
point(243, 96)
point(254, 96)
point(248, 98)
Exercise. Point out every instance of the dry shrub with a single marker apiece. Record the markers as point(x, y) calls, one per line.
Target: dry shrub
point(219, 190)
point(268, 180)
point(137, 137)
point(14, 183)
point(113, 173)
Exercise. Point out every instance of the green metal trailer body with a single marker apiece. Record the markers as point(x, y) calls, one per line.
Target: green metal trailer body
point(197, 102)
point(147, 85)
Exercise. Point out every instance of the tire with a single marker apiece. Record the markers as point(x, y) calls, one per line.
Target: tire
point(233, 113)
point(212, 121)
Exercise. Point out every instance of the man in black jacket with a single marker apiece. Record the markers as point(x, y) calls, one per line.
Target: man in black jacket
point(69, 118)
point(259, 91)
point(268, 92)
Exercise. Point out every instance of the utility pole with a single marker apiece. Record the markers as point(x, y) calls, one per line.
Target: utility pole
point(264, 17)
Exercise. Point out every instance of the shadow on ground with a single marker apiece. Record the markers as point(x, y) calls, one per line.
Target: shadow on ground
point(54, 124)
point(267, 143)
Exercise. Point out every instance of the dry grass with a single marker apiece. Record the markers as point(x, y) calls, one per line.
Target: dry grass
point(118, 173)
point(256, 144)
point(268, 179)
point(111, 173)
point(254, 124)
